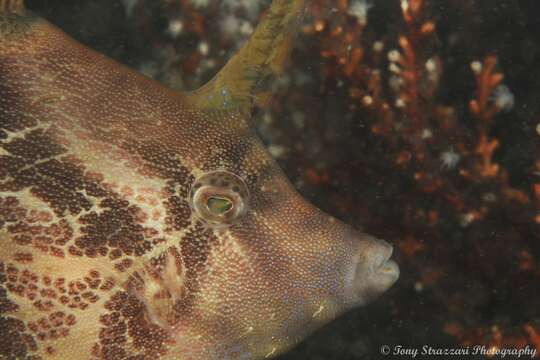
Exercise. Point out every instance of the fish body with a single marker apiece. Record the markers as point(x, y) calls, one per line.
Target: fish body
point(137, 222)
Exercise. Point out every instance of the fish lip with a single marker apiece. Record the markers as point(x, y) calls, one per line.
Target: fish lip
point(386, 265)
point(385, 259)
point(385, 255)
point(391, 268)
point(372, 272)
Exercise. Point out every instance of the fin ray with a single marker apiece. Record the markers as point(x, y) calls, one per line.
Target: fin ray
point(12, 6)
point(245, 79)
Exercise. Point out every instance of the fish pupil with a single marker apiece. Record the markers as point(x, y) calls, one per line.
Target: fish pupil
point(218, 205)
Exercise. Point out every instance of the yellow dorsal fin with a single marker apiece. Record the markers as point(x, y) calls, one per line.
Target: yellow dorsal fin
point(12, 6)
point(244, 80)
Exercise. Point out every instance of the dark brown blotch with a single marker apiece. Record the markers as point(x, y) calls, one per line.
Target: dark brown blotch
point(178, 213)
point(15, 342)
point(116, 227)
point(127, 318)
point(10, 211)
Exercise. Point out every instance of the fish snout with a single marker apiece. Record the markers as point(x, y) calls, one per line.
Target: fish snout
point(372, 271)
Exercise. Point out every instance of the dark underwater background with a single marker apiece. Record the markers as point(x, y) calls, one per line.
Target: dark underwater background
point(420, 126)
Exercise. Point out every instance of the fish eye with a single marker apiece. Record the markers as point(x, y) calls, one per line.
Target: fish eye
point(219, 198)
point(219, 205)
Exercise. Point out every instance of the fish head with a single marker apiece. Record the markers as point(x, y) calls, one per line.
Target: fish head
point(284, 268)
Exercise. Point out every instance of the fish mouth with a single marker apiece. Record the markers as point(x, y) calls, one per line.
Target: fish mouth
point(385, 265)
point(388, 272)
point(373, 270)
point(384, 271)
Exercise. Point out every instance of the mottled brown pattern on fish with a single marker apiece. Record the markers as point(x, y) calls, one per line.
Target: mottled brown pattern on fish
point(104, 250)
point(16, 343)
point(92, 216)
point(126, 320)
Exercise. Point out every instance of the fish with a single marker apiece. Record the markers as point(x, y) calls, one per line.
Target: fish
point(138, 222)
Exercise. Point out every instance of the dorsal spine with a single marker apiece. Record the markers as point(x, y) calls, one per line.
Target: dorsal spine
point(12, 6)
